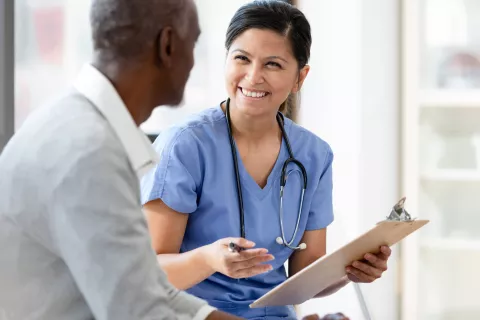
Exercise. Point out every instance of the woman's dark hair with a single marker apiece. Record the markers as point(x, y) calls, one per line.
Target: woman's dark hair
point(278, 16)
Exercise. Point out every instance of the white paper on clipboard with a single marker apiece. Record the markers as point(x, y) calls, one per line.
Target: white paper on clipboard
point(329, 269)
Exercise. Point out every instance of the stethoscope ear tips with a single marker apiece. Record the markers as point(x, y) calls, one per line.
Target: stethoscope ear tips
point(279, 240)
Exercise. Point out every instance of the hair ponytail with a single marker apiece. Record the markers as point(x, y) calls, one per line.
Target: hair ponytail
point(284, 107)
point(289, 106)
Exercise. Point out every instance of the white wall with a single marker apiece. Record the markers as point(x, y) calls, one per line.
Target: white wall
point(380, 151)
point(350, 99)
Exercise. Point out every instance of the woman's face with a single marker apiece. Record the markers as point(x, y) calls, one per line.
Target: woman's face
point(261, 72)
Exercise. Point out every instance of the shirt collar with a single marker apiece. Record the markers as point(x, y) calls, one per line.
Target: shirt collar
point(102, 94)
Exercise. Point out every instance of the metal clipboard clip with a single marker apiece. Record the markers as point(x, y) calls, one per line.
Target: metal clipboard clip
point(399, 213)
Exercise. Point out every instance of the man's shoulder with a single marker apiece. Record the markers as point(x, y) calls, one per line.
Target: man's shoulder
point(87, 135)
point(80, 123)
point(84, 145)
point(64, 141)
point(67, 130)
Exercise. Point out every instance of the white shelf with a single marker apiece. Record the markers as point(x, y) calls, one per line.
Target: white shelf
point(452, 175)
point(450, 98)
point(451, 244)
point(439, 126)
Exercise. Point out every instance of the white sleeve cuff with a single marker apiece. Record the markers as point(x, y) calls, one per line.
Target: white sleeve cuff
point(204, 312)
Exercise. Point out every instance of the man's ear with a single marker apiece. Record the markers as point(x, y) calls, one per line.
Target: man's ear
point(301, 77)
point(166, 46)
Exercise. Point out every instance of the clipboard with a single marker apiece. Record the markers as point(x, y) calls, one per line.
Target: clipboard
point(329, 269)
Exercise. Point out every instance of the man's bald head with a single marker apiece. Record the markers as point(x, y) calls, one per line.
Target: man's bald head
point(126, 29)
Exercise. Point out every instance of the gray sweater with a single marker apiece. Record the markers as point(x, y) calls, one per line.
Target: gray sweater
point(74, 243)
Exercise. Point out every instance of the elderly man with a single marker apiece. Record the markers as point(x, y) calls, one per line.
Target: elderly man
point(73, 240)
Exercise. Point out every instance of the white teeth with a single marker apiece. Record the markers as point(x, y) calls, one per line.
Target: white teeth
point(253, 94)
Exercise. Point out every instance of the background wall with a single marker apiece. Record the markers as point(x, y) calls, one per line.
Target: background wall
point(351, 100)
point(380, 152)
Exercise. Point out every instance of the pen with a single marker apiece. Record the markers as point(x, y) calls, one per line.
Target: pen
point(232, 247)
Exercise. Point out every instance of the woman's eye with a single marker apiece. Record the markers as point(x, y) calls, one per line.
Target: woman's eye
point(243, 58)
point(274, 64)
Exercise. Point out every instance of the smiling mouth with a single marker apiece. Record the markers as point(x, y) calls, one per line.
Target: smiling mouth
point(254, 94)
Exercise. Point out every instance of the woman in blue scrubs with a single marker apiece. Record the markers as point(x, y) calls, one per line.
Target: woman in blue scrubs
point(191, 199)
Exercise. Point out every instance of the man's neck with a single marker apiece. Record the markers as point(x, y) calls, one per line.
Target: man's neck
point(130, 86)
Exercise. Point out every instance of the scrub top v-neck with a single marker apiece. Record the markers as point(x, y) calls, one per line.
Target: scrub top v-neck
point(251, 185)
point(195, 175)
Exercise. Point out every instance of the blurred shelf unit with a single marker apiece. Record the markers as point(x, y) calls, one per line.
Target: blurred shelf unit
point(440, 149)
point(452, 175)
point(450, 98)
point(457, 245)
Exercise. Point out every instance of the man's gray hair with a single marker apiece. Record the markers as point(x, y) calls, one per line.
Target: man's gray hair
point(127, 28)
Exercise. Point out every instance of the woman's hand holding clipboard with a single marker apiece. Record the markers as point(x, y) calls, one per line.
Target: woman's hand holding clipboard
point(331, 268)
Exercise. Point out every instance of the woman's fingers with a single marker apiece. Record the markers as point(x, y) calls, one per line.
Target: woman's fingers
point(252, 271)
point(249, 263)
point(353, 278)
point(249, 254)
point(368, 269)
point(253, 261)
point(360, 275)
point(246, 262)
point(371, 268)
point(385, 252)
point(377, 261)
point(240, 242)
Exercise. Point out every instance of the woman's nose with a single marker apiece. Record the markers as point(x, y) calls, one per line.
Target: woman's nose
point(254, 75)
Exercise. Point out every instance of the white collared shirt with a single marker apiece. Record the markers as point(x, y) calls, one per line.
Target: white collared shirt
point(73, 240)
point(99, 90)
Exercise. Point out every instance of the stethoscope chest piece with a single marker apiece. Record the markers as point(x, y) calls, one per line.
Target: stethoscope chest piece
point(302, 246)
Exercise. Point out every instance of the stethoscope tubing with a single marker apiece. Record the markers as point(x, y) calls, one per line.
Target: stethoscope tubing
point(283, 181)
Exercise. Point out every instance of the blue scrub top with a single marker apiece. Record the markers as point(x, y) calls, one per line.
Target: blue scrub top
point(195, 175)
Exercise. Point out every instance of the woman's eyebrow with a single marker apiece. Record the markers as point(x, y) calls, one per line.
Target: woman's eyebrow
point(270, 57)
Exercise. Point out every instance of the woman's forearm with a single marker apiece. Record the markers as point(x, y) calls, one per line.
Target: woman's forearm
point(333, 288)
point(184, 270)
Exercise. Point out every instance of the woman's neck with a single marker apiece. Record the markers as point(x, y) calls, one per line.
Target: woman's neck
point(252, 128)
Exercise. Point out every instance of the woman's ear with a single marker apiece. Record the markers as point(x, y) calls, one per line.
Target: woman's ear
point(301, 77)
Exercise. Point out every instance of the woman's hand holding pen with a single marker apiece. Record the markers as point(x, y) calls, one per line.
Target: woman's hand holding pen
point(243, 263)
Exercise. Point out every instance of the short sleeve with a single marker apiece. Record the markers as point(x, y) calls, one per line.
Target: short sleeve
point(176, 177)
point(321, 209)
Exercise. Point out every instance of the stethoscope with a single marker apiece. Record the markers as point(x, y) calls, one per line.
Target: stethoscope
point(283, 180)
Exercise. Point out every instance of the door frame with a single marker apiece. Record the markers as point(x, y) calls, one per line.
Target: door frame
point(7, 69)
